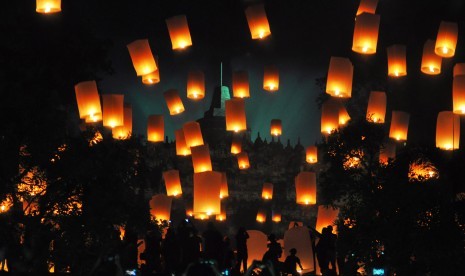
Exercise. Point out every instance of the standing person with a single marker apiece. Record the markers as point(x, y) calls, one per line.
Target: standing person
point(213, 243)
point(228, 255)
point(241, 246)
point(171, 251)
point(291, 263)
point(273, 254)
point(322, 251)
point(332, 239)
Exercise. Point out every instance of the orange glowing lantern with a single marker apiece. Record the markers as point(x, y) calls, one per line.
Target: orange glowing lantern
point(276, 216)
point(221, 217)
point(459, 69)
point(366, 33)
point(344, 116)
point(179, 32)
point(326, 217)
point(224, 192)
point(124, 131)
point(339, 81)
point(142, 58)
point(172, 183)
point(160, 207)
point(201, 159)
point(446, 41)
point(236, 144)
point(48, 6)
point(305, 188)
point(448, 130)
point(151, 78)
point(258, 23)
point(88, 101)
point(261, 215)
point(276, 127)
point(192, 134)
point(388, 151)
point(430, 62)
point(311, 154)
point(207, 186)
point(235, 115)
point(196, 85)
point(397, 61)
point(271, 79)
point(329, 116)
point(458, 94)
point(376, 111)
point(267, 192)
point(156, 128)
point(181, 146)
point(173, 101)
point(113, 110)
point(243, 160)
point(240, 86)
point(368, 6)
point(399, 125)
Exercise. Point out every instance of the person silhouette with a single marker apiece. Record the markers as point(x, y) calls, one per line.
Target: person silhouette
point(291, 263)
point(322, 251)
point(331, 253)
point(241, 247)
point(213, 243)
point(273, 254)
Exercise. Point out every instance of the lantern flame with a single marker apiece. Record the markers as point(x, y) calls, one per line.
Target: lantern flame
point(445, 50)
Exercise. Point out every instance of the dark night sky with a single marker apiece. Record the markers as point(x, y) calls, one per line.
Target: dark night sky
point(305, 34)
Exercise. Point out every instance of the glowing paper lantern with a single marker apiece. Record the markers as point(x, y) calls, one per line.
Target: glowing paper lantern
point(243, 160)
point(221, 217)
point(113, 110)
point(172, 183)
point(267, 191)
point(236, 144)
point(339, 81)
point(151, 78)
point(179, 32)
point(458, 94)
point(224, 192)
point(329, 116)
point(276, 127)
point(399, 125)
point(192, 134)
point(326, 217)
point(256, 245)
point(173, 101)
point(160, 207)
point(124, 131)
point(388, 151)
point(240, 86)
point(196, 85)
point(155, 128)
point(48, 6)
point(142, 58)
point(235, 115)
point(258, 23)
point(271, 79)
point(459, 69)
point(207, 187)
point(344, 116)
point(88, 101)
point(201, 159)
point(368, 6)
point(446, 41)
point(376, 111)
point(276, 216)
point(448, 130)
point(366, 33)
point(181, 146)
point(397, 61)
point(297, 237)
point(430, 62)
point(305, 188)
point(311, 154)
point(261, 215)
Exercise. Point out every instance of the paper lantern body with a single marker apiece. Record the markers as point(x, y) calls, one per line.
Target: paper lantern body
point(261, 215)
point(240, 84)
point(298, 238)
point(276, 127)
point(267, 191)
point(235, 115)
point(224, 191)
point(459, 69)
point(458, 94)
point(125, 131)
point(271, 79)
point(311, 154)
point(276, 216)
point(113, 110)
point(172, 183)
point(399, 125)
point(305, 188)
point(221, 217)
point(446, 41)
point(368, 6)
point(256, 246)
point(430, 62)
point(326, 217)
point(207, 187)
point(192, 134)
point(344, 116)
point(258, 23)
point(397, 61)
point(339, 81)
point(151, 78)
point(329, 116)
point(387, 152)
point(448, 130)
point(48, 6)
point(201, 159)
point(196, 85)
point(243, 160)
point(366, 33)
point(88, 101)
point(160, 207)
point(155, 128)
point(174, 102)
point(181, 146)
point(236, 144)
point(376, 111)
point(142, 58)
point(179, 32)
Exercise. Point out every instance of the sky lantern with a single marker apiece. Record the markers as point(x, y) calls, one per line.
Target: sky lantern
point(236, 144)
point(344, 116)
point(448, 130)
point(376, 111)
point(113, 110)
point(258, 23)
point(235, 115)
point(267, 191)
point(173, 101)
point(181, 146)
point(311, 154)
point(368, 6)
point(207, 187)
point(48, 6)
point(326, 217)
point(240, 84)
point(192, 134)
point(399, 125)
point(142, 58)
point(243, 160)
point(430, 62)
point(196, 85)
point(366, 33)
point(261, 215)
point(276, 216)
point(160, 207)
point(201, 158)
point(271, 78)
point(446, 41)
point(151, 78)
point(222, 216)
point(88, 101)
point(305, 188)
point(179, 32)
point(459, 69)
point(397, 60)
point(386, 152)
point(329, 116)
point(276, 127)
point(155, 128)
point(458, 94)
point(124, 131)
point(224, 192)
point(339, 81)
point(172, 183)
